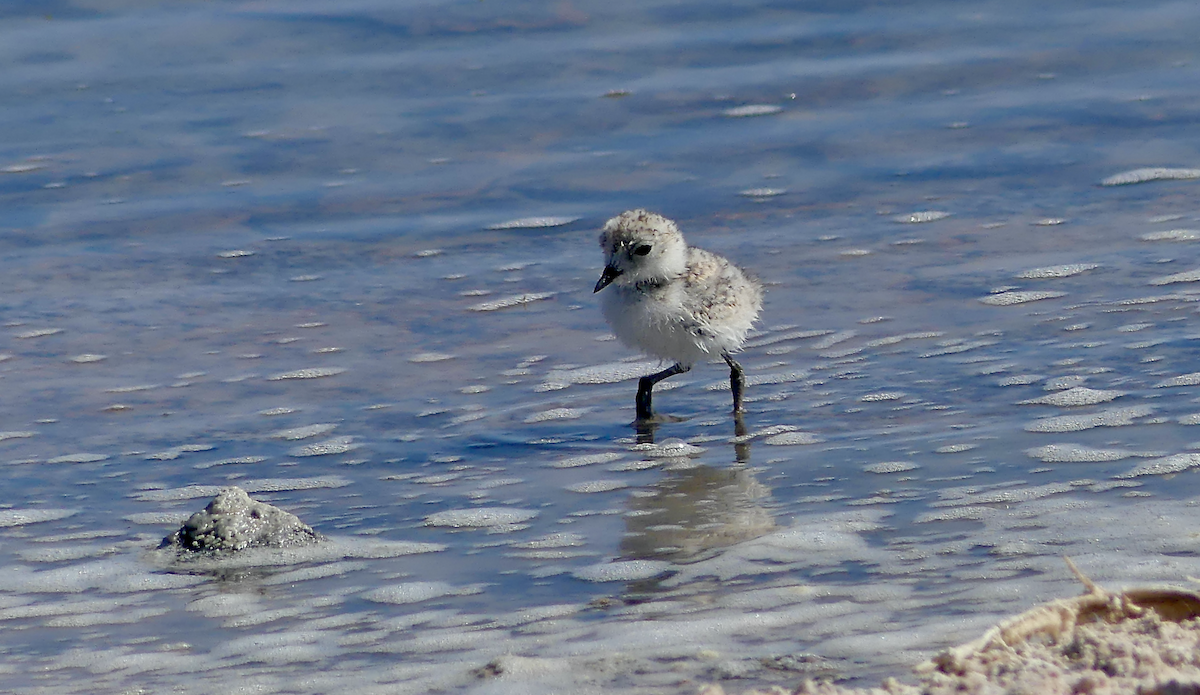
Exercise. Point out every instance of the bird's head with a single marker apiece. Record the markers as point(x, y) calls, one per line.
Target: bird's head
point(641, 246)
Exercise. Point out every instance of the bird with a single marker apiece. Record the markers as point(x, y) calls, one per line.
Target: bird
point(673, 301)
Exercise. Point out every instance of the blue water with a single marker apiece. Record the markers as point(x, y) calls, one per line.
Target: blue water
point(201, 199)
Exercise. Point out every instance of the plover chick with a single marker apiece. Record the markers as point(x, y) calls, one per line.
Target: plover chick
point(673, 301)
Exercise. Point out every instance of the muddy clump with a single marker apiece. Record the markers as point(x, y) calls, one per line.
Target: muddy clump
point(233, 521)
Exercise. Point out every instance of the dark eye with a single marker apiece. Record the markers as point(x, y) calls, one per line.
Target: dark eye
point(642, 250)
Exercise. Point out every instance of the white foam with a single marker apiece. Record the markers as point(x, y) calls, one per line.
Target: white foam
point(622, 571)
point(321, 482)
point(768, 599)
point(132, 389)
point(430, 357)
point(303, 432)
point(22, 517)
point(119, 574)
point(954, 514)
point(494, 483)
point(602, 373)
point(957, 497)
point(1173, 235)
point(417, 592)
point(586, 460)
point(15, 434)
point(436, 479)
point(511, 301)
point(1183, 380)
point(37, 333)
point(882, 396)
point(1113, 417)
point(531, 615)
point(1164, 466)
point(793, 335)
point(894, 339)
point(263, 485)
point(1013, 297)
point(481, 517)
point(1150, 174)
point(1134, 327)
point(22, 167)
point(1059, 383)
point(1020, 380)
point(330, 569)
point(63, 606)
point(1077, 396)
point(760, 380)
point(833, 339)
point(764, 432)
point(921, 217)
point(752, 110)
point(890, 467)
point(593, 486)
point(557, 414)
point(175, 452)
point(336, 445)
point(65, 553)
point(955, 347)
point(124, 616)
point(231, 461)
point(309, 373)
point(553, 540)
point(1186, 276)
point(163, 519)
point(762, 192)
point(1057, 271)
point(1076, 453)
point(78, 458)
point(224, 605)
point(639, 465)
point(792, 439)
point(668, 448)
point(542, 222)
point(87, 358)
point(278, 649)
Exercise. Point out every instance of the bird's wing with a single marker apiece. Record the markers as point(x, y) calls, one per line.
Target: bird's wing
point(717, 290)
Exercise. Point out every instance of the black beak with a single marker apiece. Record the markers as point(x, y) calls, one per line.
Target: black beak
point(610, 274)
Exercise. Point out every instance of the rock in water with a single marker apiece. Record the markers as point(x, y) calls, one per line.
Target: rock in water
point(233, 521)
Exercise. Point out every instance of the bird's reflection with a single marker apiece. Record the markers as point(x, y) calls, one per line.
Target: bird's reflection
point(696, 510)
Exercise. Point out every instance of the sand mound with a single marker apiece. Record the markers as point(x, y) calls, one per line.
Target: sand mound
point(1143, 641)
point(233, 521)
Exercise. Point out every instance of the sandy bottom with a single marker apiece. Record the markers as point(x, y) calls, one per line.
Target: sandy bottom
point(1143, 641)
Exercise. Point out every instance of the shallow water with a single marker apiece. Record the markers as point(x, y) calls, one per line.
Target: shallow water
point(344, 260)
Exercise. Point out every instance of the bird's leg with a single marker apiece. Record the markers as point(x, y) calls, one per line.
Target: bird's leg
point(646, 384)
point(645, 430)
point(737, 381)
point(741, 443)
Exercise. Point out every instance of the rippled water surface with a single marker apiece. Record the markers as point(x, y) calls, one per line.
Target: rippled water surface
point(342, 256)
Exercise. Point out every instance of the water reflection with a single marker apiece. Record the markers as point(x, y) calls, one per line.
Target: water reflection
point(696, 509)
